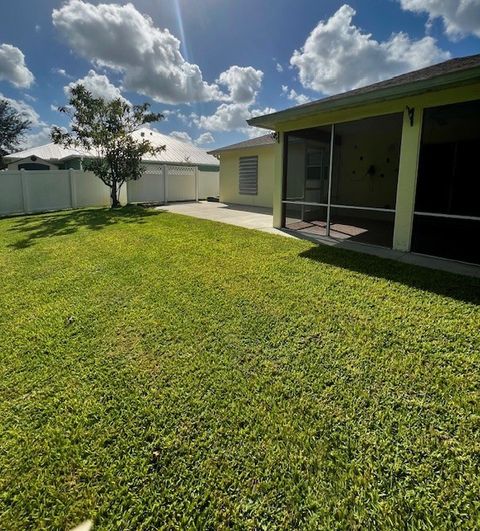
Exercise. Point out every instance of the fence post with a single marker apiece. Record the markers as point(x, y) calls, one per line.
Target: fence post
point(196, 184)
point(165, 188)
point(25, 195)
point(73, 189)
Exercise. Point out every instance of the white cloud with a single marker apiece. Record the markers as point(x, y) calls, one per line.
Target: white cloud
point(29, 97)
point(39, 131)
point(293, 95)
point(121, 38)
point(35, 138)
point(231, 117)
point(279, 67)
point(205, 138)
point(243, 83)
point(182, 135)
point(61, 72)
point(337, 56)
point(460, 17)
point(13, 67)
point(99, 85)
point(25, 110)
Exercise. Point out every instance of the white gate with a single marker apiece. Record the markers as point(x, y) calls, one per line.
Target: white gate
point(181, 183)
point(150, 188)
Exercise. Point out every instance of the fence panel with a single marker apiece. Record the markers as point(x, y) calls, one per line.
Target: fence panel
point(89, 190)
point(47, 190)
point(149, 188)
point(181, 183)
point(11, 193)
point(208, 184)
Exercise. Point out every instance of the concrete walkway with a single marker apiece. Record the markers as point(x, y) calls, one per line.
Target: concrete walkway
point(261, 219)
point(257, 218)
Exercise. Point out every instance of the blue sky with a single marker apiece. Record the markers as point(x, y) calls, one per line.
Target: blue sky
point(210, 64)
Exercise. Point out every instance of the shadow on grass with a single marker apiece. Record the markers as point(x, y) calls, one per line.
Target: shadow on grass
point(39, 226)
point(458, 287)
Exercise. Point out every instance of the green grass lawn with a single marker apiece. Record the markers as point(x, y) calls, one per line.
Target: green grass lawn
point(159, 371)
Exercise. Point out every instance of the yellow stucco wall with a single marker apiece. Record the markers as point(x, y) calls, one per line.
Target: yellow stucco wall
point(410, 147)
point(229, 173)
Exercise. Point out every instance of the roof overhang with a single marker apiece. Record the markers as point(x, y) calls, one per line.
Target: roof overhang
point(354, 100)
point(217, 152)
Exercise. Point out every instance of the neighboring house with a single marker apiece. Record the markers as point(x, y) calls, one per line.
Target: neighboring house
point(247, 171)
point(177, 153)
point(32, 162)
point(51, 179)
point(393, 164)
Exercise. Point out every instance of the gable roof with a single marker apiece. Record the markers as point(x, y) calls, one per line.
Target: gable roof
point(176, 152)
point(51, 152)
point(34, 159)
point(453, 72)
point(264, 140)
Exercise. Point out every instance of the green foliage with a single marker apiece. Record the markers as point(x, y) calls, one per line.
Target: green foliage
point(12, 128)
point(163, 372)
point(102, 129)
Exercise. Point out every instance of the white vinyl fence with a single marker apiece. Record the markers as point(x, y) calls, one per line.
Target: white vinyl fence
point(163, 183)
point(39, 191)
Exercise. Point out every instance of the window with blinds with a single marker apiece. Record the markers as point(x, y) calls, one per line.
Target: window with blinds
point(248, 175)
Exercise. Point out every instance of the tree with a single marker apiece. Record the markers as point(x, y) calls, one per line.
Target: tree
point(102, 129)
point(12, 128)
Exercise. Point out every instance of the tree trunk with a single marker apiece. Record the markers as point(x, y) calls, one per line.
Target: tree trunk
point(114, 193)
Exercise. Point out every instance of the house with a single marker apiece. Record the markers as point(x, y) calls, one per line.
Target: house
point(247, 171)
point(177, 152)
point(32, 162)
point(393, 164)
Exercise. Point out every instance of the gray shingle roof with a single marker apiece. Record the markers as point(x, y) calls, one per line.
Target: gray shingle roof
point(413, 79)
point(264, 140)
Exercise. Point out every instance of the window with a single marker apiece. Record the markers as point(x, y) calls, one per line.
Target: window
point(33, 166)
point(248, 175)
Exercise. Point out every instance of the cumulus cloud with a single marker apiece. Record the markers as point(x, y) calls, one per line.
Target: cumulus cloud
point(25, 110)
point(231, 117)
point(460, 17)
point(205, 138)
point(13, 67)
point(39, 132)
point(338, 56)
point(293, 95)
point(38, 137)
point(99, 85)
point(182, 135)
point(121, 38)
point(242, 82)
point(279, 67)
point(61, 72)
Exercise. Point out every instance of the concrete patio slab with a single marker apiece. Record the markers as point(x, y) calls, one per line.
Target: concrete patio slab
point(257, 218)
